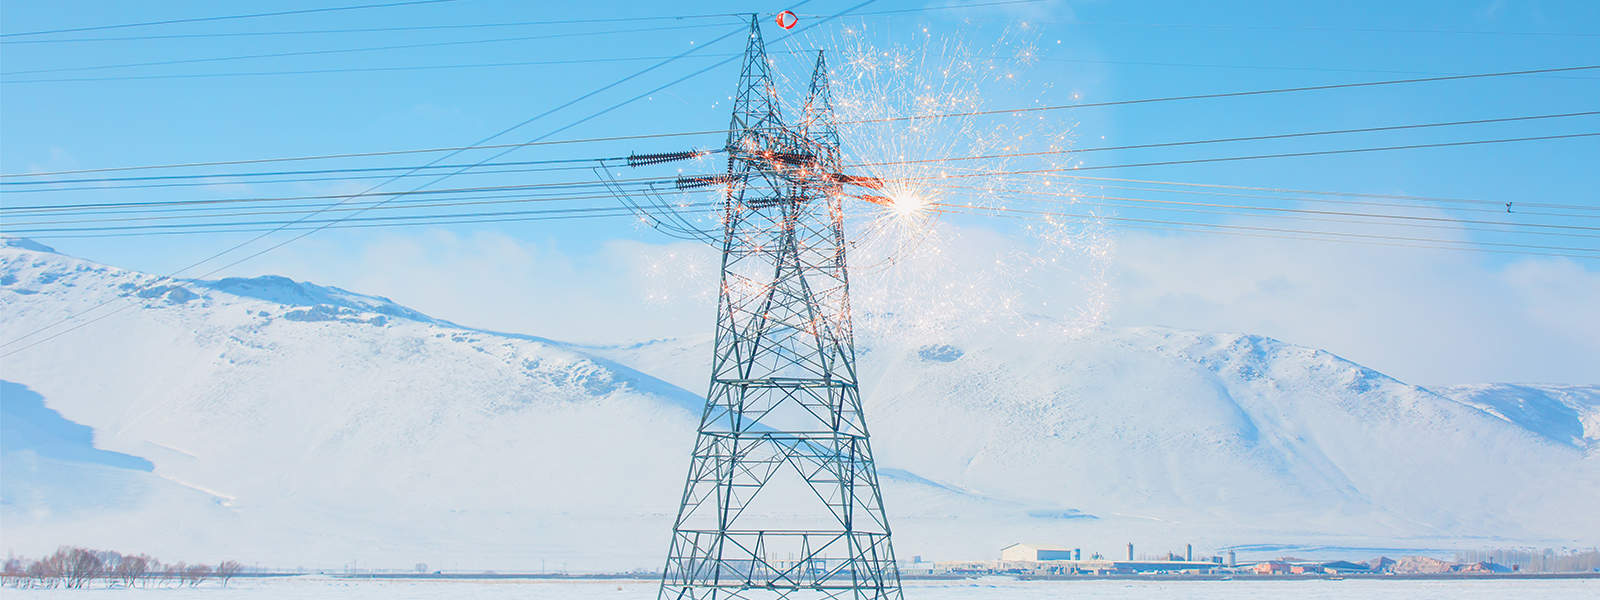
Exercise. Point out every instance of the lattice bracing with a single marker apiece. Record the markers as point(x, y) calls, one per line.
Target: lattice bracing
point(782, 498)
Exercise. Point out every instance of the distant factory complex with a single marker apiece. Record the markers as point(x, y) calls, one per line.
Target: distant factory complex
point(1043, 560)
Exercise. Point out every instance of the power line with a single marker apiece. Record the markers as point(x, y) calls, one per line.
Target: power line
point(224, 17)
point(1146, 63)
point(1306, 211)
point(1339, 201)
point(507, 64)
point(1274, 229)
point(858, 122)
point(1319, 192)
point(415, 191)
point(474, 172)
point(213, 212)
point(1319, 28)
point(970, 174)
point(342, 219)
point(1181, 227)
point(579, 61)
point(43, 227)
point(1256, 156)
point(867, 121)
point(1186, 226)
point(900, 11)
point(310, 171)
point(1241, 139)
point(372, 154)
point(1308, 88)
point(13, 184)
point(182, 61)
point(483, 25)
point(378, 29)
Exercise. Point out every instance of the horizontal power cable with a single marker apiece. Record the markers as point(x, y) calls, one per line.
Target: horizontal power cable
point(522, 38)
point(472, 172)
point(486, 188)
point(1184, 65)
point(1240, 26)
point(1437, 199)
point(1252, 157)
point(37, 227)
point(867, 121)
point(312, 171)
point(1273, 229)
point(455, 26)
point(280, 13)
point(291, 209)
point(1065, 151)
point(1184, 226)
point(342, 30)
point(619, 212)
point(528, 63)
point(1307, 88)
point(338, 70)
point(256, 161)
point(341, 219)
point(1305, 211)
point(943, 176)
point(1338, 201)
point(1279, 136)
point(1200, 228)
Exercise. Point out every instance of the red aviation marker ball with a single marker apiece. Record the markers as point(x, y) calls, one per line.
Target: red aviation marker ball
point(786, 19)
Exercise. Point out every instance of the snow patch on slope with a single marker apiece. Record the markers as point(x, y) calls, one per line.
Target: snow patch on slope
point(1564, 414)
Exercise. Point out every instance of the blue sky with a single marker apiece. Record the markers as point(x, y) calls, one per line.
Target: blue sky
point(1424, 315)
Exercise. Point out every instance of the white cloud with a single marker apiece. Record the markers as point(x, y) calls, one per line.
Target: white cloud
point(1424, 316)
point(624, 291)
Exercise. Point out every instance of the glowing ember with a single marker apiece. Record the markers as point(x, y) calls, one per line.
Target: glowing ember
point(906, 202)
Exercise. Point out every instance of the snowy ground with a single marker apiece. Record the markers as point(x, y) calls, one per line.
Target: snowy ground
point(319, 588)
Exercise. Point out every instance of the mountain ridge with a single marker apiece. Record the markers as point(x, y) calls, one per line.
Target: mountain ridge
point(358, 416)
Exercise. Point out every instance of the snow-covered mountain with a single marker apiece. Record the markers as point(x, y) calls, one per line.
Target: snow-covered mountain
point(289, 423)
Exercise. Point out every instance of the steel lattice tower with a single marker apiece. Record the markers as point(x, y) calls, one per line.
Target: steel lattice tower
point(782, 498)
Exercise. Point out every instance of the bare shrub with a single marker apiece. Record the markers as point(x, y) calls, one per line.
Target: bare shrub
point(35, 574)
point(226, 570)
point(46, 572)
point(196, 574)
point(132, 569)
point(13, 572)
point(80, 566)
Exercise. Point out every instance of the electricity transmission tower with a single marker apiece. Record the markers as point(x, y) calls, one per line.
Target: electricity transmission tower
point(782, 497)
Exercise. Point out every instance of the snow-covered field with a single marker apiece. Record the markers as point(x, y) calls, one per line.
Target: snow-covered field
point(317, 588)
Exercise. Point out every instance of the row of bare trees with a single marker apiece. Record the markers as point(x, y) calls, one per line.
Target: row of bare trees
point(80, 568)
point(1537, 561)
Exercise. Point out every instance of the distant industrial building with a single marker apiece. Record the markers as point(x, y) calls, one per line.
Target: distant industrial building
point(1037, 553)
point(1041, 559)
